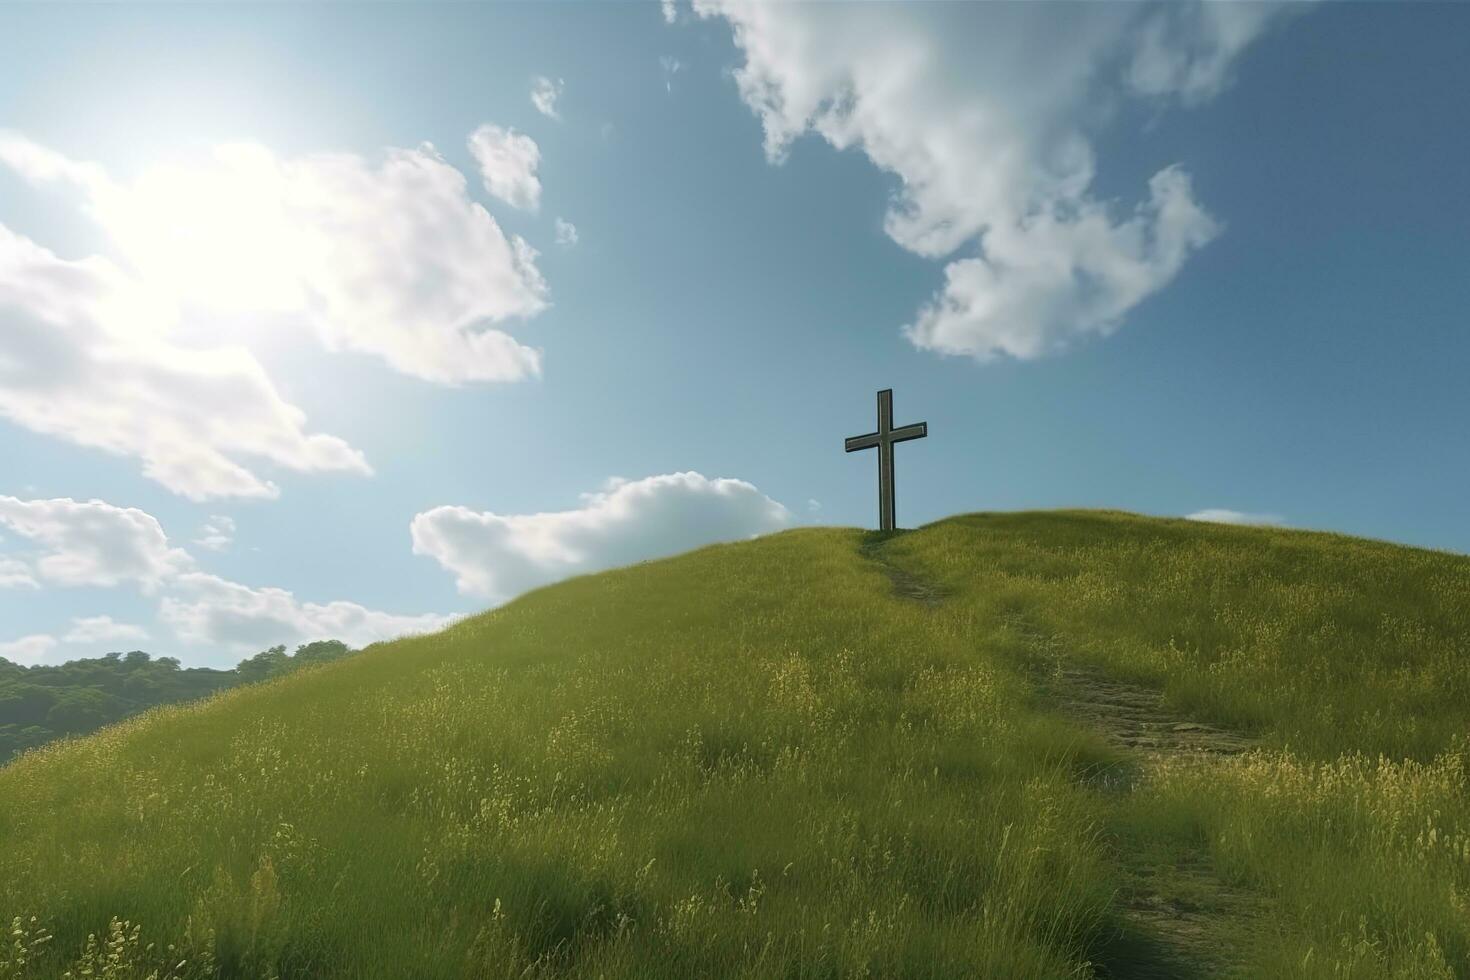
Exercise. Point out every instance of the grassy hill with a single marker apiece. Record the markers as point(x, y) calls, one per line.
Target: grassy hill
point(1056, 744)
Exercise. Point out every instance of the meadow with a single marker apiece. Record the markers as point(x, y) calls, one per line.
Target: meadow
point(762, 759)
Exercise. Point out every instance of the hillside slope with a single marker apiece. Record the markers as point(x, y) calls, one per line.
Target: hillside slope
point(818, 754)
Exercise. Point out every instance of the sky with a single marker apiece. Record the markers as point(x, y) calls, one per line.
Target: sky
point(345, 321)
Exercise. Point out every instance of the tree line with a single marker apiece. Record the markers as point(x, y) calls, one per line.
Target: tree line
point(48, 701)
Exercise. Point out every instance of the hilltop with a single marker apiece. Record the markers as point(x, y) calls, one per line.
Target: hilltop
point(1053, 744)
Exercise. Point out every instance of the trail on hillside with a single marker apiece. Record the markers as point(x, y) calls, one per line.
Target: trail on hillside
point(905, 584)
point(1183, 911)
point(1131, 718)
point(1179, 916)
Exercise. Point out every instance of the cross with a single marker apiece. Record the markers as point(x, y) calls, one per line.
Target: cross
point(884, 439)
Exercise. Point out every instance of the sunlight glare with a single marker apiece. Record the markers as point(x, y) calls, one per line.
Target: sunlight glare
point(218, 236)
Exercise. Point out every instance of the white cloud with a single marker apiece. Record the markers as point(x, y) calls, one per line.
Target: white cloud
point(15, 573)
point(217, 533)
point(1187, 50)
point(94, 543)
point(501, 556)
point(566, 233)
point(27, 650)
point(508, 162)
point(98, 544)
point(392, 259)
point(544, 93)
point(1220, 515)
point(670, 11)
point(1048, 282)
point(206, 609)
point(81, 359)
point(99, 629)
point(981, 112)
point(813, 504)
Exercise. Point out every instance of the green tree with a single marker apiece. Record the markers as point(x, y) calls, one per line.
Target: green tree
point(266, 664)
point(80, 710)
point(320, 652)
point(25, 704)
point(46, 701)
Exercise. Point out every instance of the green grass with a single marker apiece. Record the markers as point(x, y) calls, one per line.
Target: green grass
point(1349, 658)
point(756, 760)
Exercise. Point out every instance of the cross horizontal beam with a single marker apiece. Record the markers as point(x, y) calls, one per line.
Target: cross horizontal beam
point(916, 431)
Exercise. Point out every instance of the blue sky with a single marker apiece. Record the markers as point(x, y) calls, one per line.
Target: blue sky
point(272, 369)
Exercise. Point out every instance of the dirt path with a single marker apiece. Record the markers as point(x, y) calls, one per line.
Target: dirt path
point(1178, 917)
point(906, 585)
point(1132, 718)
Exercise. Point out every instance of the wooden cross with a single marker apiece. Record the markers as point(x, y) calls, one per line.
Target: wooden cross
point(884, 439)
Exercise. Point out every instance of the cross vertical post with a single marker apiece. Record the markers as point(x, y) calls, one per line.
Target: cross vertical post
point(884, 440)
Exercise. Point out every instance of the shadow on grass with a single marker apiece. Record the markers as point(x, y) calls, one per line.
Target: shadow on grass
point(1130, 954)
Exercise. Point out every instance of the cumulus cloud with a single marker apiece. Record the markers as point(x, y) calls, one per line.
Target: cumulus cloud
point(984, 124)
point(94, 543)
point(1219, 515)
point(217, 533)
point(508, 162)
point(1043, 284)
point(81, 359)
point(207, 609)
point(670, 11)
point(98, 544)
point(390, 258)
point(566, 233)
point(500, 556)
point(544, 93)
point(100, 629)
point(28, 650)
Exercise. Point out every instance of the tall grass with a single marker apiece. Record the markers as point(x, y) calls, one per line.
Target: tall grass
point(751, 760)
point(1351, 660)
point(755, 760)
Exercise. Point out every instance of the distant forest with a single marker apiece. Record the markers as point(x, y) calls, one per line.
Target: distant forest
point(45, 702)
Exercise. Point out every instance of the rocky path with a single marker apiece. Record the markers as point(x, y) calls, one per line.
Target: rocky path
point(1179, 918)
